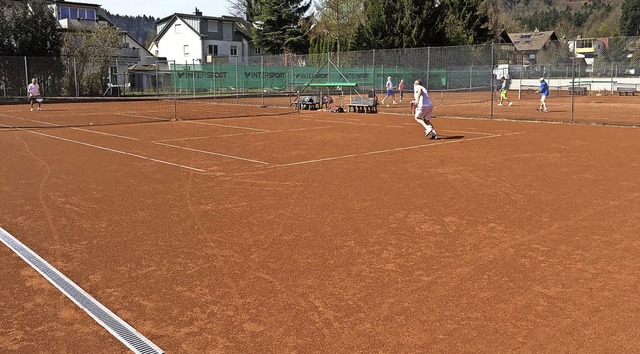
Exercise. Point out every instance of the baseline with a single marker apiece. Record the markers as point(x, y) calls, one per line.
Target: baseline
point(101, 314)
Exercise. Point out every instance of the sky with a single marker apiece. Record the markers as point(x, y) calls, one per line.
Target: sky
point(161, 8)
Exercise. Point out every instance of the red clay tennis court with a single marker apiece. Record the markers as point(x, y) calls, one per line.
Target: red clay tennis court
point(320, 232)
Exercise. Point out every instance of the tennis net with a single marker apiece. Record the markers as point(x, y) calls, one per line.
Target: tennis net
point(82, 112)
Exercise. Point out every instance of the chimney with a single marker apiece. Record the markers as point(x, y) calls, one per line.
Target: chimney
point(198, 12)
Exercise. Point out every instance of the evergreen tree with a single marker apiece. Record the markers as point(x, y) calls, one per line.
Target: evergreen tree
point(630, 20)
point(29, 29)
point(281, 26)
point(418, 23)
point(381, 24)
point(465, 22)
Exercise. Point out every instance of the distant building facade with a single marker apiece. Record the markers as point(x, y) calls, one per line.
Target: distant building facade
point(194, 38)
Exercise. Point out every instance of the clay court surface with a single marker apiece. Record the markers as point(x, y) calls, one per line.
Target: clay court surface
point(324, 233)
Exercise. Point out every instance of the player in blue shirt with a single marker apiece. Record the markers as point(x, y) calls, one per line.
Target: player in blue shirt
point(544, 92)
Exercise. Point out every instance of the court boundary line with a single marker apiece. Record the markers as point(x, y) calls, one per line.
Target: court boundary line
point(213, 153)
point(441, 142)
point(120, 329)
point(110, 150)
point(72, 128)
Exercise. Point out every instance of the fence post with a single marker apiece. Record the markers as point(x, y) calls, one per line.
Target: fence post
point(262, 78)
point(493, 89)
point(75, 77)
point(428, 66)
point(26, 71)
point(573, 79)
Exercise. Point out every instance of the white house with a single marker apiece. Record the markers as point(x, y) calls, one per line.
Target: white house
point(78, 16)
point(194, 38)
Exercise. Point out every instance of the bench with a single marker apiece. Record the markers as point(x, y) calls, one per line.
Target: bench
point(307, 102)
point(363, 105)
point(626, 91)
point(578, 90)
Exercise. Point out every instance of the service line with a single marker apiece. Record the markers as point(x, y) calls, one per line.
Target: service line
point(441, 142)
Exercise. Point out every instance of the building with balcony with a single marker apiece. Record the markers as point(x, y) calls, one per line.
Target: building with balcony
point(189, 38)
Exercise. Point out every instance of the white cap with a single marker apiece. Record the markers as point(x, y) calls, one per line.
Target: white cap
point(542, 79)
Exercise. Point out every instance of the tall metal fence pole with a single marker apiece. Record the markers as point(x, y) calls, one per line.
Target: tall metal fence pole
point(75, 77)
point(428, 66)
point(573, 79)
point(262, 79)
point(26, 71)
point(492, 79)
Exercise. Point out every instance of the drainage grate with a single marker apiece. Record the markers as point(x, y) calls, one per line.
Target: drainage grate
point(114, 324)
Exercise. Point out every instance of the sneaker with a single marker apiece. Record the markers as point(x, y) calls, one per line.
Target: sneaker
point(394, 102)
point(39, 109)
point(510, 104)
point(499, 104)
point(31, 109)
point(434, 137)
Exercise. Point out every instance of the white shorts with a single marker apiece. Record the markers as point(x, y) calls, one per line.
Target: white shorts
point(543, 98)
point(424, 113)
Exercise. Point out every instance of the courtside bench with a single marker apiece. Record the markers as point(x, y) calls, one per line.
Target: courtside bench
point(626, 91)
point(363, 105)
point(308, 102)
point(578, 90)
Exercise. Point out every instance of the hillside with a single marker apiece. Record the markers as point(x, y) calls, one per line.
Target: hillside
point(141, 28)
point(568, 18)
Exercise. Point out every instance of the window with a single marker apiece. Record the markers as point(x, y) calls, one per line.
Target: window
point(91, 14)
point(178, 28)
point(258, 50)
point(212, 26)
point(185, 50)
point(213, 50)
point(64, 12)
point(234, 51)
point(73, 13)
point(82, 13)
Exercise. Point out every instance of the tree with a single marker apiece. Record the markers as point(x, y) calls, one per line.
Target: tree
point(335, 21)
point(28, 29)
point(90, 52)
point(418, 23)
point(464, 22)
point(630, 20)
point(282, 26)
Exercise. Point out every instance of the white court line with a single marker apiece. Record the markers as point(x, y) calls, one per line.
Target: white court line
point(213, 153)
point(224, 125)
point(352, 123)
point(145, 117)
point(73, 128)
point(392, 150)
point(109, 149)
point(241, 134)
point(120, 329)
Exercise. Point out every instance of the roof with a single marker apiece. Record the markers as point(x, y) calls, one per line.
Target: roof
point(532, 41)
point(503, 37)
point(72, 3)
point(239, 24)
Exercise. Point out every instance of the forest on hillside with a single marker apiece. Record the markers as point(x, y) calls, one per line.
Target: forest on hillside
point(568, 18)
point(141, 28)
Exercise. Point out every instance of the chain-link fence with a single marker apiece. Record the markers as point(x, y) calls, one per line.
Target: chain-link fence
point(583, 75)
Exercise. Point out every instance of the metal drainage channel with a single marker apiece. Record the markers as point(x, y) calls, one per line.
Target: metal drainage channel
point(114, 324)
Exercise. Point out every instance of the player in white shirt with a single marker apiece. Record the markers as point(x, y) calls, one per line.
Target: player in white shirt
point(423, 109)
point(34, 92)
point(390, 93)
